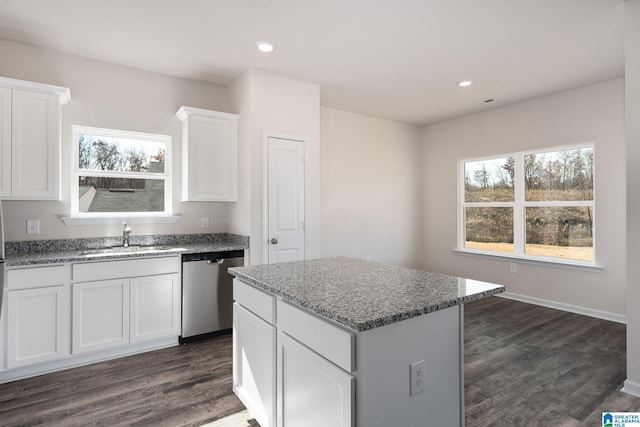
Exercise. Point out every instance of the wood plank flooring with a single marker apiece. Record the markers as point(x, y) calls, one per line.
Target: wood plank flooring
point(524, 366)
point(187, 385)
point(529, 365)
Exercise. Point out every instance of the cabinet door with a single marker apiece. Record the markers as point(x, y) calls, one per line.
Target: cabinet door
point(210, 155)
point(155, 307)
point(35, 134)
point(100, 315)
point(254, 352)
point(312, 391)
point(5, 142)
point(38, 325)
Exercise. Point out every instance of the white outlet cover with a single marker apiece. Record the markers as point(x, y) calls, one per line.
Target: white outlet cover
point(416, 371)
point(33, 226)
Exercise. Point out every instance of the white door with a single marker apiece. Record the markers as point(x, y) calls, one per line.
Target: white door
point(286, 200)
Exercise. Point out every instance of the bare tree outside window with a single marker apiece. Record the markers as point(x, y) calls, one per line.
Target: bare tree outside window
point(554, 202)
point(119, 171)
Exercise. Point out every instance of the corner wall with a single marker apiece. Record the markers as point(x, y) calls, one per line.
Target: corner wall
point(271, 103)
point(589, 114)
point(632, 109)
point(371, 188)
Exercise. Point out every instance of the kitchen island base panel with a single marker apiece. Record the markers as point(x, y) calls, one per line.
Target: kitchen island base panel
point(383, 359)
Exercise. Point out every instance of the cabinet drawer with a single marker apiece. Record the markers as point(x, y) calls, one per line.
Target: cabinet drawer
point(36, 277)
point(104, 270)
point(330, 341)
point(259, 302)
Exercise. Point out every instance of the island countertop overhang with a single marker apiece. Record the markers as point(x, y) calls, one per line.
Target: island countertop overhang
point(363, 295)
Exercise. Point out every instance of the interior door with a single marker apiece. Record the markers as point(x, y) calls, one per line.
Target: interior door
point(286, 200)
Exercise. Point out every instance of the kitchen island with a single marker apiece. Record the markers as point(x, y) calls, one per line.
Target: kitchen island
point(348, 342)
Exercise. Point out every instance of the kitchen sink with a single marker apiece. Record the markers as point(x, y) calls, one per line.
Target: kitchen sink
point(124, 250)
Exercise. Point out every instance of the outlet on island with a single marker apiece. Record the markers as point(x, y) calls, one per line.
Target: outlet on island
point(205, 222)
point(416, 370)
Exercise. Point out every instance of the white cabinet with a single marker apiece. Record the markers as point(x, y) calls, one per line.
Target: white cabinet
point(254, 352)
point(155, 307)
point(116, 303)
point(312, 391)
point(5, 142)
point(100, 315)
point(37, 315)
point(30, 116)
point(308, 380)
point(209, 155)
point(37, 325)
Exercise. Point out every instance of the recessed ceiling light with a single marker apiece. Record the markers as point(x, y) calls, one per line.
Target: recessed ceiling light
point(264, 46)
point(465, 83)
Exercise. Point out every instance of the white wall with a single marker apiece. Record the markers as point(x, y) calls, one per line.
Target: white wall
point(370, 188)
point(589, 114)
point(271, 103)
point(110, 96)
point(632, 110)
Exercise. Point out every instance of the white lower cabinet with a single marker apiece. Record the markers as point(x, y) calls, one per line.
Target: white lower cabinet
point(290, 368)
point(37, 325)
point(113, 311)
point(100, 315)
point(312, 391)
point(254, 352)
point(65, 315)
point(155, 307)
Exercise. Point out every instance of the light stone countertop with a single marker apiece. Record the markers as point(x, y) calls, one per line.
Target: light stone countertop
point(40, 252)
point(363, 295)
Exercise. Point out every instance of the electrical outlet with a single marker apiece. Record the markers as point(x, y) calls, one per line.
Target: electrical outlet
point(33, 226)
point(205, 222)
point(416, 370)
point(513, 267)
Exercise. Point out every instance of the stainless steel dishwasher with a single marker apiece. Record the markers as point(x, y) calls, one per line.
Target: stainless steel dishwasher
point(207, 293)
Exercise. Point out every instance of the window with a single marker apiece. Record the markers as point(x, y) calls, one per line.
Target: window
point(536, 204)
point(120, 173)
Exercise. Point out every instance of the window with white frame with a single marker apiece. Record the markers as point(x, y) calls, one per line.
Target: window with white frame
point(531, 204)
point(120, 173)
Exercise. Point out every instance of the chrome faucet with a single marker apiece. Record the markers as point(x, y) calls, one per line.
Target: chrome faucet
point(126, 231)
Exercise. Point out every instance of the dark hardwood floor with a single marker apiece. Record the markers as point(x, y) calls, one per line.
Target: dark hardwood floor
point(187, 385)
point(527, 365)
point(524, 366)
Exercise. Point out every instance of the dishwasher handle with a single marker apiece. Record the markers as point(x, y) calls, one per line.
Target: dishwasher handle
point(217, 261)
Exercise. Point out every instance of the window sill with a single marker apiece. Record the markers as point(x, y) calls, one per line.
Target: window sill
point(570, 265)
point(75, 220)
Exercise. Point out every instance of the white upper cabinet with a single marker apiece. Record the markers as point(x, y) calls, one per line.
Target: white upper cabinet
point(5, 142)
point(30, 115)
point(209, 155)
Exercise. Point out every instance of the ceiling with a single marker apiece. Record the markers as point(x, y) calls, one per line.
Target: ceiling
point(395, 59)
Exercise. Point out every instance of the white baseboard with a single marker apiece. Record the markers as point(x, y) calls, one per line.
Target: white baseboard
point(613, 317)
point(631, 387)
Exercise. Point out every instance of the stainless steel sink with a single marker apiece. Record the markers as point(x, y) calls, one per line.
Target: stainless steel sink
point(122, 250)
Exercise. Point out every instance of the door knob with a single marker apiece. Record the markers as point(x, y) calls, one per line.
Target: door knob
point(274, 240)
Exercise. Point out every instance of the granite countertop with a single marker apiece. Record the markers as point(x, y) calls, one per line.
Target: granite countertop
point(363, 295)
point(37, 252)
